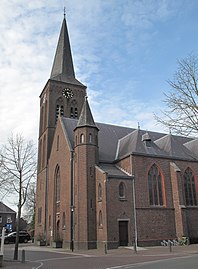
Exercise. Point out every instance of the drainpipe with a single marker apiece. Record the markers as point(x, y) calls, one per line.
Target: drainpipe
point(72, 201)
point(134, 208)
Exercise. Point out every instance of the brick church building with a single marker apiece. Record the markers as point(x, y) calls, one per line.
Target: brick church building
point(100, 184)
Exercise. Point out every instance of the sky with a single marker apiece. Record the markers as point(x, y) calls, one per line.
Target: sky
point(124, 51)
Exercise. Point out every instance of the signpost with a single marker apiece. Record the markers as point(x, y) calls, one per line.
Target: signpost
point(2, 247)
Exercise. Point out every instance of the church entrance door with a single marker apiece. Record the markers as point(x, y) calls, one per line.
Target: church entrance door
point(123, 233)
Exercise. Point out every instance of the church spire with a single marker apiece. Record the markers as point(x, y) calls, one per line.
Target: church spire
point(63, 69)
point(86, 118)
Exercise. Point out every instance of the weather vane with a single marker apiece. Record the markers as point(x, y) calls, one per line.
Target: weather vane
point(64, 12)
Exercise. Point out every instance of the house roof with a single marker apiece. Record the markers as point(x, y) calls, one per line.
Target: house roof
point(116, 142)
point(5, 209)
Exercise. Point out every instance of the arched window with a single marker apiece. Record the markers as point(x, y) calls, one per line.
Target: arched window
point(90, 138)
point(155, 186)
point(41, 120)
point(57, 143)
point(99, 192)
point(57, 188)
point(100, 219)
point(82, 138)
point(122, 190)
point(74, 110)
point(59, 110)
point(43, 154)
point(59, 107)
point(63, 221)
point(190, 188)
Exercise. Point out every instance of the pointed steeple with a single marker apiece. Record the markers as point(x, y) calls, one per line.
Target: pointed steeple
point(86, 118)
point(63, 69)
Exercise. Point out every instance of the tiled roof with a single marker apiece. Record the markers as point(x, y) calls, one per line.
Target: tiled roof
point(5, 209)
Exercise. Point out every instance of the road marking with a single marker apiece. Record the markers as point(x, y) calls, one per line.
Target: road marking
point(41, 264)
point(128, 266)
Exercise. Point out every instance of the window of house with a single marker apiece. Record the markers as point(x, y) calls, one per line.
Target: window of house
point(9, 219)
point(1, 219)
point(99, 192)
point(122, 190)
point(155, 186)
point(190, 188)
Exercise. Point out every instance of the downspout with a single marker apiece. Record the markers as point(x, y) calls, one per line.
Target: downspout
point(72, 201)
point(46, 204)
point(134, 207)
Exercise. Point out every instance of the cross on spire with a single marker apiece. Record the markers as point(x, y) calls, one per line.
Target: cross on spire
point(64, 10)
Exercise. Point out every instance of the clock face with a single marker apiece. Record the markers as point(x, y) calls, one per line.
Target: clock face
point(67, 93)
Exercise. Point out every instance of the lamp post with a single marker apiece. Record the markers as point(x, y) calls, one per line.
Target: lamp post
point(134, 214)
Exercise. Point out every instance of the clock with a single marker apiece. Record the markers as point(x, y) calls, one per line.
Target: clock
point(67, 93)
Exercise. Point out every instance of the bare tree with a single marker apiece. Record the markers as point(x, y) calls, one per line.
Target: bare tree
point(18, 170)
point(30, 205)
point(181, 115)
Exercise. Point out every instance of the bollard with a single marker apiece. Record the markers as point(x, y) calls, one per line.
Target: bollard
point(23, 256)
point(170, 246)
point(105, 248)
point(1, 259)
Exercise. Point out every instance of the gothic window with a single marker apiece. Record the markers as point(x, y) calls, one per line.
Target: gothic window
point(41, 120)
point(100, 219)
point(122, 190)
point(76, 113)
point(39, 214)
point(57, 143)
point(63, 221)
point(190, 188)
point(40, 156)
point(82, 138)
point(49, 222)
point(155, 186)
point(59, 110)
point(57, 188)
point(99, 192)
point(90, 138)
point(43, 155)
point(45, 115)
point(74, 110)
point(71, 112)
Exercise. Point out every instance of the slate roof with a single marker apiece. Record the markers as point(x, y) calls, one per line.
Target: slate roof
point(86, 118)
point(5, 209)
point(63, 69)
point(116, 142)
point(114, 171)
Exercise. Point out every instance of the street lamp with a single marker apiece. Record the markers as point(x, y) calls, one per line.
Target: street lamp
point(134, 214)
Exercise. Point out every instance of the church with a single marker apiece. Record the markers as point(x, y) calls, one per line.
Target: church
point(101, 185)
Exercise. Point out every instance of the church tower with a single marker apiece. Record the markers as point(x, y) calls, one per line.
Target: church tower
point(63, 94)
point(86, 157)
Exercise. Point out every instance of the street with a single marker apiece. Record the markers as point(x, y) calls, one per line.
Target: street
point(49, 258)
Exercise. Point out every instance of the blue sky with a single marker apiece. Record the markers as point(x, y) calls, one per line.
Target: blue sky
point(123, 50)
